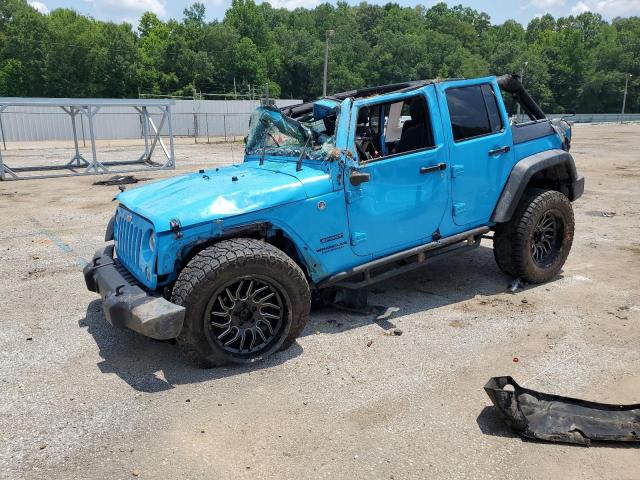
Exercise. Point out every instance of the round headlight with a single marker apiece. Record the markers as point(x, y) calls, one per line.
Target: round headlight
point(152, 242)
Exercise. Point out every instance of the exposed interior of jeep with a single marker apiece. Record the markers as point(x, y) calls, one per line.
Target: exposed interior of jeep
point(393, 128)
point(275, 134)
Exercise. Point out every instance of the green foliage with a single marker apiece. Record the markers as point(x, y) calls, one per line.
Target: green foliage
point(571, 64)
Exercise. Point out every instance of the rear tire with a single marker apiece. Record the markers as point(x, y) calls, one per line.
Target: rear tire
point(535, 243)
point(502, 251)
point(244, 300)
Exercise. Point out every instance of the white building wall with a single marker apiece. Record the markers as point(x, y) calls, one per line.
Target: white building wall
point(213, 118)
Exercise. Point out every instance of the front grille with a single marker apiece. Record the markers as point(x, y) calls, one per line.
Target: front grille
point(129, 240)
point(130, 230)
point(126, 274)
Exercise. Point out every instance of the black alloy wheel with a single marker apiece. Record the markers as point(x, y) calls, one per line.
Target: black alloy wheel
point(547, 238)
point(246, 315)
point(245, 300)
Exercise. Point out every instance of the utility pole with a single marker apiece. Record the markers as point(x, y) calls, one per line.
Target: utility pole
point(328, 34)
point(235, 90)
point(524, 67)
point(624, 98)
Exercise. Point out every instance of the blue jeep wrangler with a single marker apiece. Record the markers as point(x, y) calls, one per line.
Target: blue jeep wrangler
point(332, 196)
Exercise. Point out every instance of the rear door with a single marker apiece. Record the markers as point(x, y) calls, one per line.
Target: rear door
point(480, 147)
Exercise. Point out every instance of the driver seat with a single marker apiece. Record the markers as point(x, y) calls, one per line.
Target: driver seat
point(414, 132)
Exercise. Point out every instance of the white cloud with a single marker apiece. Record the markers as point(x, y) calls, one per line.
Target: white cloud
point(126, 10)
point(292, 4)
point(547, 3)
point(136, 6)
point(608, 8)
point(618, 7)
point(39, 6)
point(579, 8)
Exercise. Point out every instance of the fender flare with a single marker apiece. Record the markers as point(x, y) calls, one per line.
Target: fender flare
point(524, 171)
point(305, 259)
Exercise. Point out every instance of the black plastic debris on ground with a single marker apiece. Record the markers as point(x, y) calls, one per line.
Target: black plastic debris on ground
point(118, 180)
point(553, 418)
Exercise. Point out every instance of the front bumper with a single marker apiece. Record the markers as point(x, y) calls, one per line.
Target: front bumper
point(577, 188)
point(126, 305)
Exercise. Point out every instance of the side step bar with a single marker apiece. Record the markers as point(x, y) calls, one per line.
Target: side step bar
point(405, 261)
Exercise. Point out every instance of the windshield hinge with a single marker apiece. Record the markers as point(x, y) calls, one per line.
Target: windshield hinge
point(175, 226)
point(303, 154)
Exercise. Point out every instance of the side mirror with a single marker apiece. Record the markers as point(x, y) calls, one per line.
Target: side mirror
point(358, 178)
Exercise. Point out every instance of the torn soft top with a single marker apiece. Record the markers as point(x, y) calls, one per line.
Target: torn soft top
point(554, 418)
point(509, 83)
point(305, 108)
point(382, 89)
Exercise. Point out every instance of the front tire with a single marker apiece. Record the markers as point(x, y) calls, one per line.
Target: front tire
point(535, 243)
point(245, 300)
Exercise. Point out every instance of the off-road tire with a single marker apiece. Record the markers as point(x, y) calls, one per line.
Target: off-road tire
point(502, 251)
point(216, 266)
point(512, 241)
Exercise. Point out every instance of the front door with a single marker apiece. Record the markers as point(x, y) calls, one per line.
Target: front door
point(402, 186)
point(480, 147)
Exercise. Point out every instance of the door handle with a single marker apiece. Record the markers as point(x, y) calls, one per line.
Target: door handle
point(358, 178)
point(436, 168)
point(499, 151)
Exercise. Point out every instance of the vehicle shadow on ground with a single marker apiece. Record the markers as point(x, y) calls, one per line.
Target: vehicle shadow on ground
point(152, 366)
point(452, 280)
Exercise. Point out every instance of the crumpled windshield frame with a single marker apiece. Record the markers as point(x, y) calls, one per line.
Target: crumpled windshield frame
point(271, 133)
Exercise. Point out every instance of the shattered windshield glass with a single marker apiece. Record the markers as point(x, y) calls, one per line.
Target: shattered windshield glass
point(273, 134)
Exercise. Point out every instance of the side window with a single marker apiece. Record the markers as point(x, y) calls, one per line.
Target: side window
point(473, 111)
point(492, 108)
point(393, 128)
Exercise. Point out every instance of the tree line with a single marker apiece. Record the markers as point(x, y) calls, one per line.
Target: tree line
point(570, 64)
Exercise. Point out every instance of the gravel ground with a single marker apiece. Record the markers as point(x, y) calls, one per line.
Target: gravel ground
point(80, 399)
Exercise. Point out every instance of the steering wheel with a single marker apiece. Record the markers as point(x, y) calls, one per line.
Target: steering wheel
point(365, 145)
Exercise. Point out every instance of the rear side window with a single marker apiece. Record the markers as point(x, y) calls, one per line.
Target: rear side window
point(473, 111)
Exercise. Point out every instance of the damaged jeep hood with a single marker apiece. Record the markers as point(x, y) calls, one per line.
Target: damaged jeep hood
point(224, 192)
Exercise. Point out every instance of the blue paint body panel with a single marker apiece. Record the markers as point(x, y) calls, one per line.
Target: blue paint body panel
point(399, 207)
point(334, 225)
point(224, 192)
point(482, 178)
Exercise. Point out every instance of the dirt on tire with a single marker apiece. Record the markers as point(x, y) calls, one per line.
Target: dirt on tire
point(512, 241)
point(216, 265)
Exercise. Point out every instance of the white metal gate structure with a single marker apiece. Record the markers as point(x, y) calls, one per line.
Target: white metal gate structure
point(89, 108)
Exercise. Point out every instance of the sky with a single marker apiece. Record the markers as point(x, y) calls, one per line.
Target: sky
point(520, 10)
